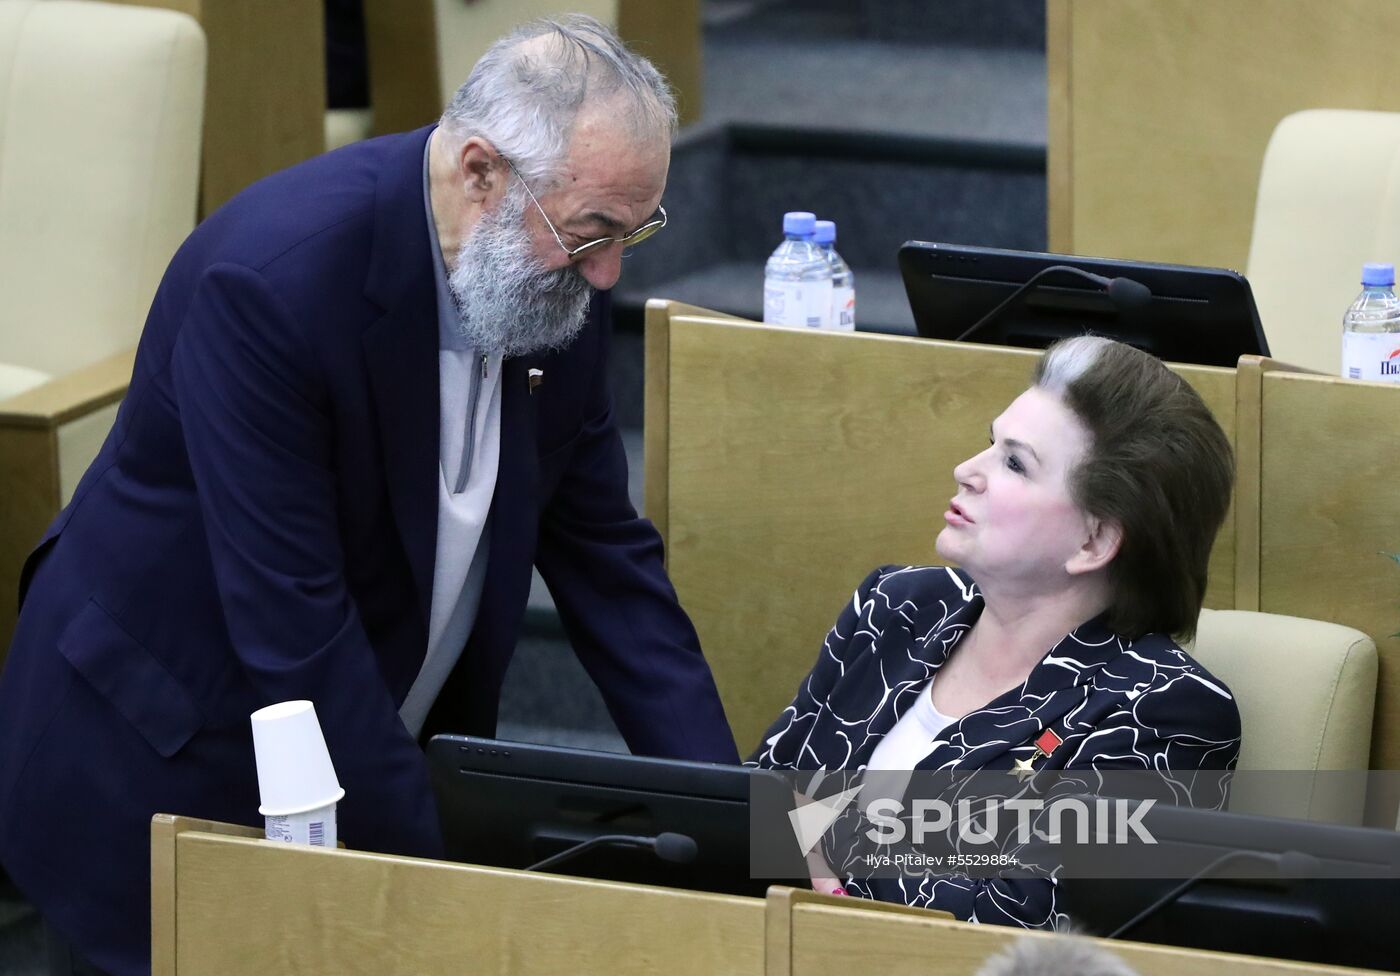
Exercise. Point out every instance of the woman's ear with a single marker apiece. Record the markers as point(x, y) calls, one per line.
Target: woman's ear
point(1101, 545)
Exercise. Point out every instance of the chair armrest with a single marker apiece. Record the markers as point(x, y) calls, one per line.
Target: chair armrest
point(48, 435)
point(71, 395)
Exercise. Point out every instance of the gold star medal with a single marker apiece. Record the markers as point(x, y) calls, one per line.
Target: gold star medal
point(1047, 743)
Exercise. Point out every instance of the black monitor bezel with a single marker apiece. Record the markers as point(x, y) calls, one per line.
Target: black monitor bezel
point(1330, 917)
point(1198, 315)
point(500, 804)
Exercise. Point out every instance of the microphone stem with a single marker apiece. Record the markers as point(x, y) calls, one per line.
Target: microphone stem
point(1025, 286)
point(569, 853)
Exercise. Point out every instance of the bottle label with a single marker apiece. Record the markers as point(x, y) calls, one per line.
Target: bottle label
point(843, 309)
point(1371, 356)
point(800, 303)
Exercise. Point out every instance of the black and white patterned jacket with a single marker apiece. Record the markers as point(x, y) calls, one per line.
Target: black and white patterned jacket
point(1115, 704)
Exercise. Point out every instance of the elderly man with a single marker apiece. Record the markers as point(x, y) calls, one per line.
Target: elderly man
point(372, 390)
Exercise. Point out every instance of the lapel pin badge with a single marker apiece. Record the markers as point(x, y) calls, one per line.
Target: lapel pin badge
point(535, 378)
point(1047, 743)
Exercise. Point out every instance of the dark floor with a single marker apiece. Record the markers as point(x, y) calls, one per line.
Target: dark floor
point(21, 937)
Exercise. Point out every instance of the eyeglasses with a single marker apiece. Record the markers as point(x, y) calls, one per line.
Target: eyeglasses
point(636, 237)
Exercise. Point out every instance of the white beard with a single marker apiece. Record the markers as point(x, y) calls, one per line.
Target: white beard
point(508, 302)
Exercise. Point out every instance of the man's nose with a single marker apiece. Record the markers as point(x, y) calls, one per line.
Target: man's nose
point(601, 270)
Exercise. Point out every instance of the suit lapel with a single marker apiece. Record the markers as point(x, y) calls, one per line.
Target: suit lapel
point(911, 653)
point(401, 356)
point(404, 381)
point(1058, 684)
point(514, 521)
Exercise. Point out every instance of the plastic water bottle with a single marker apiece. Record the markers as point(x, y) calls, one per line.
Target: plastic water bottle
point(797, 278)
point(1371, 328)
point(843, 281)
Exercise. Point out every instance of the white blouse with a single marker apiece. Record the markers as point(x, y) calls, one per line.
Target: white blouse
point(891, 764)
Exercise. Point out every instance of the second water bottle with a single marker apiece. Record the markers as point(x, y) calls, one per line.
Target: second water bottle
point(797, 278)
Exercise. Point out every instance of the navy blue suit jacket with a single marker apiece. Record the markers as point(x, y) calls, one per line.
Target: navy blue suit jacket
point(261, 526)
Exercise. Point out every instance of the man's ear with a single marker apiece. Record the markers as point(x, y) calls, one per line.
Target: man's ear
point(481, 169)
point(1101, 545)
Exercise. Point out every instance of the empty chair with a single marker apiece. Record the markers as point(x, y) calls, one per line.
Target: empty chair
point(1329, 201)
point(101, 109)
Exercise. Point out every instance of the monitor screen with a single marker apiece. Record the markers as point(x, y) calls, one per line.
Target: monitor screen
point(1177, 313)
point(512, 804)
point(1288, 889)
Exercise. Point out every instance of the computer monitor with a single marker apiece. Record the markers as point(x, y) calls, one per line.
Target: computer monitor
point(1343, 912)
point(512, 804)
point(1192, 315)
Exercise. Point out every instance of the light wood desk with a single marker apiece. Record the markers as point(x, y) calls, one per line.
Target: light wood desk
point(227, 903)
point(810, 935)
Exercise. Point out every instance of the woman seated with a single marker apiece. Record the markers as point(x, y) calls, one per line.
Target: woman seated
point(1082, 535)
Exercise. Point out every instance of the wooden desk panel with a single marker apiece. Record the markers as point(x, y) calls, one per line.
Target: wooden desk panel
point(236, 906)
point(1160, 110)
point(914, 943)
point(265, 98)
point(1329, 510)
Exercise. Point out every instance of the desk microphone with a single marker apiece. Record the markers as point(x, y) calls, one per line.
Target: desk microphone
point(1289, 864)
point(1123, 292)
point(671, 847)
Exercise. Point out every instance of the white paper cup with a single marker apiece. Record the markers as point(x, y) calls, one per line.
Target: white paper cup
point(295, 774)
point(314, 827)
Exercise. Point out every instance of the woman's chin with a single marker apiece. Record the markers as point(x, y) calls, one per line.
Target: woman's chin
point(946, 545)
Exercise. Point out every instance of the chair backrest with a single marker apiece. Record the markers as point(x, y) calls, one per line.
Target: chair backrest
point(1307, 694)
point(101, 110)
point(1328, 201)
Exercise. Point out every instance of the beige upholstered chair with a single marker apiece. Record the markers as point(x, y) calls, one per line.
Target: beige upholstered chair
point(1307, 693)
point(347, 125)
point(101, 109)
point(1329, 201)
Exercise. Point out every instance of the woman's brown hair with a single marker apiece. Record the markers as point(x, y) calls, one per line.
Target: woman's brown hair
point(1158, 465)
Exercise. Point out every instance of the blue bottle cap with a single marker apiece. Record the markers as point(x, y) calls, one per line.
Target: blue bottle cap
point(798, 222)
point(1377, 274)
point(825, 232)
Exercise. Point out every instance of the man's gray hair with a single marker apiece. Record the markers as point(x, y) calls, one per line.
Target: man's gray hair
point(524, 97)
point(1059, 955)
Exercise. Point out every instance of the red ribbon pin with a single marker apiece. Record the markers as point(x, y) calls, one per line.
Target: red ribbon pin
point(1048, 742)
